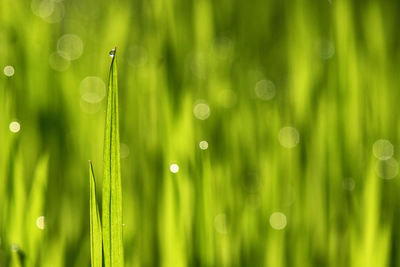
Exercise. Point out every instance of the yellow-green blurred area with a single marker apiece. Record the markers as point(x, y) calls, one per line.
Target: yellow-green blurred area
point(253, 133)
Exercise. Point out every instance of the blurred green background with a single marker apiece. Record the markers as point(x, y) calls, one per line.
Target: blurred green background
point(253, 133)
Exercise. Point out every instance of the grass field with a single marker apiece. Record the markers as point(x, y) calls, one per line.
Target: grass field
point(252, 133)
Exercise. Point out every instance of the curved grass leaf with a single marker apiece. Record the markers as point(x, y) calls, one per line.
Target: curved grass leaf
point(95, 223)
point(112, 195)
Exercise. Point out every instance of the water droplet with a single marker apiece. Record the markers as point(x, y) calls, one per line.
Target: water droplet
point(112, 53)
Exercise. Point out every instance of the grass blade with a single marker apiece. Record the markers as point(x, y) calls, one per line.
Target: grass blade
point(95, 223)
point(112, 195)
point(36, 209)
point(17, 211)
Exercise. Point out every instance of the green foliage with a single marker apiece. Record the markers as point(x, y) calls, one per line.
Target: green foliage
point(233, 73)
point(26, 212)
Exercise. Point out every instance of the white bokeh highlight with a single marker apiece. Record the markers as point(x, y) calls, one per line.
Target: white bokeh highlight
point(9, 71)
point(203, 145)
point(58, 62)
point(265, 90)
point(92, 89)
point(14, 127)
point(289, 137)
point(201, 110)
point(383, 149)
point(41, 222)
point(70, 46)
point(174, 168)
point(277, 220)
point(387, 169)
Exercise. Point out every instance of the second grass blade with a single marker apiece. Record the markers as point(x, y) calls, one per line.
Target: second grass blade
point(112, 195)
point(95, 224)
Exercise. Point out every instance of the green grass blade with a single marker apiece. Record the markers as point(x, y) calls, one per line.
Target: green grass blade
point(18, 202)
point(95, 223)
point(112, 195)
point(17, 211)
point(34, 228)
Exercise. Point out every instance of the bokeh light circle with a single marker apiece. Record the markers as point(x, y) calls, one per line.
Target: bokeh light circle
point(387, 169)
point(93, 89)
point(265, 90)
point(174, 168)
point(58, 62)
point(383, 149)
point(289, 137)
point(201, 110)
point(14, 127)
point(203, 145)
point(40, 222)
point(70, 46)
point(278, 220)
point(9, 71)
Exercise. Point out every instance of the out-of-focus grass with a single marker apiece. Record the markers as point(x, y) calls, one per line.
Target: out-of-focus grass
point(232, 73)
